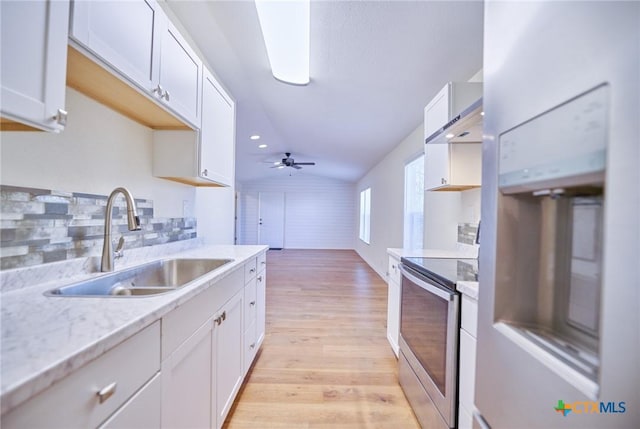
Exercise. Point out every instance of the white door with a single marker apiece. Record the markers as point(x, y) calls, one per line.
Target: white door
point(271, 219)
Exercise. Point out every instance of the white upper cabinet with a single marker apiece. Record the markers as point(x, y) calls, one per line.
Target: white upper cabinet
point(180, 74)
point(34, 63)
point(452, 166)
point(448, 102)
point(137, 40)
point(204, 158)
point(131, 46)
point(217, 139)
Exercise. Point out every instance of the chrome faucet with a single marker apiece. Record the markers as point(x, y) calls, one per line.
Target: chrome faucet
point(133, 222)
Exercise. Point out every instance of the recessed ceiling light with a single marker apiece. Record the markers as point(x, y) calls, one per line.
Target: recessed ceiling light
point(262, 146)
point(255, 137)
point(450, 136)
point(285, 28)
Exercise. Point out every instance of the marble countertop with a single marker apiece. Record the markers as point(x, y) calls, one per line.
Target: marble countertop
point(461, 252)
point(45, 338)
point(469, 289)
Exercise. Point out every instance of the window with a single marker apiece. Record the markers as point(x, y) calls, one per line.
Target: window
point(414, 203)
point(365, 215)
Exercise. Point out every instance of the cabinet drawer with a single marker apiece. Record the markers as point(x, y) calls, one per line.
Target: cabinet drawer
point(394, 270)
point(74, 401)
point(262, 262)
point(141, 411)
point(469, 316)
point(250, 347)
point(182, 322)
point(250, 269)
point(250, 303)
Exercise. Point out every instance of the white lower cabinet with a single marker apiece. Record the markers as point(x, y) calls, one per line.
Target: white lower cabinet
point(228, 363)
point(91, 394)
point(467, 370)
point(261, 307)
point(393, 303)
point(202, 374)
point(186, 382)
point(141, 411)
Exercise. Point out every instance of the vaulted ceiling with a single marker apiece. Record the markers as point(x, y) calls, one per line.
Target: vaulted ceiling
point(374, 66)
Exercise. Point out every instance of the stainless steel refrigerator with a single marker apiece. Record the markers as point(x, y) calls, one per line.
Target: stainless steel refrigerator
point(559, 263)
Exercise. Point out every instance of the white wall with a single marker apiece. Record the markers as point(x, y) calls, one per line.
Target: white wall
point(386, 180)
point(319, 212)
point(442, 210)
point(100, 150)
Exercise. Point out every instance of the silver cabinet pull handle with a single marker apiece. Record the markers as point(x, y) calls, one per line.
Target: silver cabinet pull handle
point(259, 278)
point(252, 270)
point(205, 172)
point(252, 303)
point(224, 315)
point(166, 96)
point(252, 346)
point(61, 117)
point(106, 392)
point(218, 320)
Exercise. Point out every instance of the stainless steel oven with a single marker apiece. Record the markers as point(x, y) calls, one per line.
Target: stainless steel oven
point(429, 327)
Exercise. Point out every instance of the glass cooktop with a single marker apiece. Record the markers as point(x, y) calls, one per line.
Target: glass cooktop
point(445, 271)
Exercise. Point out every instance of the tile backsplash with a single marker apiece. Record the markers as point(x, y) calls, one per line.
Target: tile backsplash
point(467, 233)
point(38, 226)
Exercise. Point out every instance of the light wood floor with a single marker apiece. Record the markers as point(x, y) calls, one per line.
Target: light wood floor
point(325, 361)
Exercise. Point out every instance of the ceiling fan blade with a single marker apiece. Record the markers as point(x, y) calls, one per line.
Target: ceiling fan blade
point(296, 166)
point(305, 163)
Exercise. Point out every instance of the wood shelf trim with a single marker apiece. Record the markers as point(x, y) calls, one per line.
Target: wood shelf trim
point(90, 78)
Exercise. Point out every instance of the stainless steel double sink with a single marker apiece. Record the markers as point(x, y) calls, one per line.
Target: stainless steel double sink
point(148, 279)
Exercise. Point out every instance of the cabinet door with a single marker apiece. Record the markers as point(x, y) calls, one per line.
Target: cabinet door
point(436, 165)
point(141, 411)
point(180, 72)
point(261, 307)
point(228, 344)
point(217, 138)
point(393, 315)
point(34, 62)
point(125, 37)
point(467, 369)
point(436, 113)
point(186, 382)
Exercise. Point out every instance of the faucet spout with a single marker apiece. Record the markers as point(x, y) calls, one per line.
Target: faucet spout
point(133, 223)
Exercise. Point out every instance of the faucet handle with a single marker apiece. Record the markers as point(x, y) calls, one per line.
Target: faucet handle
point(119, 252)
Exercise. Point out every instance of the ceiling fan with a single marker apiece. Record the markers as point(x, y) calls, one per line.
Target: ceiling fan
point(290, 162)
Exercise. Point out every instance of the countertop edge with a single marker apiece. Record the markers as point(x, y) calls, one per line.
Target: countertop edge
point(469, 289)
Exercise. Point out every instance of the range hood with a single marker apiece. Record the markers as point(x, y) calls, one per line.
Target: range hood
point(466, 127)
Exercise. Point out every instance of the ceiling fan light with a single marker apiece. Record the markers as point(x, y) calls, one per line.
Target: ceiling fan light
point(285, 28)
point(262, 146)
point(255, 137)
point(280, 167)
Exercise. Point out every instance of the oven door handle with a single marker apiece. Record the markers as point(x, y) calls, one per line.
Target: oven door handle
point(446, 295)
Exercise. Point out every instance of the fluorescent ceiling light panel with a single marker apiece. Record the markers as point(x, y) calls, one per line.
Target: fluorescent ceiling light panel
point(285, 28)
